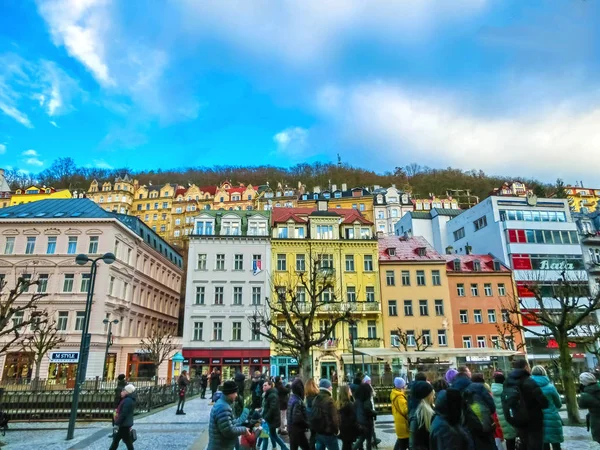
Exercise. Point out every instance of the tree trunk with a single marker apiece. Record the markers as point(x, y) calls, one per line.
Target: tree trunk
point(38, 366)
point(305, 362)
point(566, 374)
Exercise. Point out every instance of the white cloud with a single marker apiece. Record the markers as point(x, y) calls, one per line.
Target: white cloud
point(400, 125)
point(101, 164)
point(34, 162)
point(80, 26)
point(2, 149)
point(53, 123)
point(291, 140)
point(30, 152)
point(13, 112)
point(300, 32)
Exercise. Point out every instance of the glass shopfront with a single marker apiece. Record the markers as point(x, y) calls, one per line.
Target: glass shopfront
point(61, 373)
point(228, 365)
point(139, 366)
point(109, 369)
point(17, 367)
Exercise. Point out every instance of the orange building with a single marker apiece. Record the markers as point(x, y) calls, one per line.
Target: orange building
point(480, 288)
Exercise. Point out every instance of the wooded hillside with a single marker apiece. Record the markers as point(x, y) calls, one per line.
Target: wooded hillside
point(64, 173)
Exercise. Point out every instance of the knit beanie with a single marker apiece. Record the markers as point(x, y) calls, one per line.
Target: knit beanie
point(130, 389)
point(421, 389)
point(367, 379)
point(586, 378)
point(229, 387)
point(324, 384)
point(399, 383)
point(451, 375)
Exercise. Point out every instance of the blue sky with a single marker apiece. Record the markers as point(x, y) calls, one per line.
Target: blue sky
point(508, 86)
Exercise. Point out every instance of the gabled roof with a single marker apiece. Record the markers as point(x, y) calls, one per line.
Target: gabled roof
point(301, 215)
point(407, 249)
point(79, 207)
point(466, 263)
point(210, 189)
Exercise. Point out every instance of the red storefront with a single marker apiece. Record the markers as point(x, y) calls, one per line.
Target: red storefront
point(228, 361)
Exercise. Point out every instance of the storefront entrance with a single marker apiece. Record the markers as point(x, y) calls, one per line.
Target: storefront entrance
point(327, 369)
point(228, 362)
point(111, 364)
point(17, 367)
point(62, 373)
point(139, 367)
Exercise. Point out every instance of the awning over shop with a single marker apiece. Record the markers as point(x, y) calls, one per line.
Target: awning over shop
point(390, 353)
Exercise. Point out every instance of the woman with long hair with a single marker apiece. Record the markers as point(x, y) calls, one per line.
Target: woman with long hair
point(311, 390)
point(365, 415)
point(297, 419)
point(347, 412)
point(422, 416)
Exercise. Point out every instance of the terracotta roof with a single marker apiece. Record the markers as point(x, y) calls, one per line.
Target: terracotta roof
point(300, 215)
point(407, 249)
point(236, 189)
point(466, 263)
point(210, 189)
point(180, 191)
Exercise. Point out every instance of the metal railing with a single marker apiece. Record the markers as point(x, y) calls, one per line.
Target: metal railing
point(57, 385)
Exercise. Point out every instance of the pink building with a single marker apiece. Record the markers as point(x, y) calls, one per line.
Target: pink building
point(141, 289)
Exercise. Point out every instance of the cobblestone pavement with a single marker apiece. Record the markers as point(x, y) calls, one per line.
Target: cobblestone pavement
point(160, 430)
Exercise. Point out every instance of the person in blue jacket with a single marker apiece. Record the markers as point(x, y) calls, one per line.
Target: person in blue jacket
point(553, 426)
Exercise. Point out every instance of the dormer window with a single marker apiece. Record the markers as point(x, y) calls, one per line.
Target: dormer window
point(422, 251)
point(496, 266)
point(315, 196)
point(476, 266)
point(456, 265)
point(391, 251)
point(327, 195)
point(205, 227)
point(337, 195)
point(304, 196)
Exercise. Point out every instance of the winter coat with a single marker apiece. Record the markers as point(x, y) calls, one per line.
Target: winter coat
point(365, 412)
point(590, 400)
point(419, 436)
point(284, 396)
point(215, 381)
point(532, 395)
point(223, 430)
point(296, 413)
point(239, 379)
point(204, 380)
point(182, 383)
point(400, 413)
point(125, 411)
point(324, 409)
point(120, 385)
point(348, 429)
point(271, 412)
point(553, 426)
point(507, 429)
point(444, 436)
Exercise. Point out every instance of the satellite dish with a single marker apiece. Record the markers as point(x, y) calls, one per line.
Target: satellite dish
point(531, 199)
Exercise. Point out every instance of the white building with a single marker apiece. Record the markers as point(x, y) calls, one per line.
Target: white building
point(389, 205)
point(431, 225)
point(537, 238)
point(140, 289)
point(228, 264)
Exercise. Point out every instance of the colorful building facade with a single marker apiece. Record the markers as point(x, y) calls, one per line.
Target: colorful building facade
point(582, 199)
point(5, 192)
point(357, 198)
point(116, 196)
point(37, 193)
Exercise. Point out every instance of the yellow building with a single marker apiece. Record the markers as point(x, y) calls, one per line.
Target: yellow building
point(234, 198)
point(187, 203)
point(426, 204)
point(415, 295)
point(341, 240)
point(582, 199)
point(282, 196)
point(116, 196)
point(35, 193)
point(344, 198)
point(153, 204)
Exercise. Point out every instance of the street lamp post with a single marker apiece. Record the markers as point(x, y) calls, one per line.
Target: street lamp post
point(84, 346)
point(108, 343)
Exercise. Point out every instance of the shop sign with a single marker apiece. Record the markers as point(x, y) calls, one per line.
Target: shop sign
point(200, 361)
point(64, 357)
point(553, 344)
point(293, 361)
point(215, 361)
point(545, 264)
point(478, 359)
point(266, 361)
point(246, 360)
point(231, 361)
point(186, 361)
point(578, 355)
point(255, 360)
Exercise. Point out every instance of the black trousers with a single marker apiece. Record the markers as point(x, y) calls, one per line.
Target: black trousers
point(181, 403)
point(297, 438)
point(531, 439)
point(203, 392)
point(401, 444)
point(124, 434)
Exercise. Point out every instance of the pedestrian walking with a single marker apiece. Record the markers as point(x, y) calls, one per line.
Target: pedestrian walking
point(124, 418)
point(523, 403)
point(400, 413)
point(347, 413)
point(412, 401)
point(203, 384)
point(311, 390)
point(121, 383)
point(447, 431)
point(272, 414)
point(553, 426)
point(508, 431)
point(223, 430)
point(182, 383)
point(256, 389)
point(324, 418)
point(215, 381)
point(284, 397)
point(297, 418)
point(421, 417)
point(240, 380)
point(365, 415)
point(590, 400)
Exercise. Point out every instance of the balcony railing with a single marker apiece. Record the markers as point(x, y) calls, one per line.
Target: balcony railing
point(330, 344)
point(365, 342)
point(358, 307)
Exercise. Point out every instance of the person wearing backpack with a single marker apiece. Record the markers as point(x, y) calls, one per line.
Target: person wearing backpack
point(553, 426)
point(311, 390)
point(297, 418)
point(523, 403)
point(400, 413)
point(365, 415)
point(324, 418)
point(590, 400)
point(509, 433)
point(447, 431)
point(272, 414)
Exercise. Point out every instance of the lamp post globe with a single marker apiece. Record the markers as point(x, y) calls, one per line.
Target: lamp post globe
point(81, 259)
point(109, 258)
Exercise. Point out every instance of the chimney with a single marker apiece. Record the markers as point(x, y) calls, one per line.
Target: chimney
point(376, 187)
point(322, 205)
point(317, 190)
point(394, 185)
point(333, 187)
point(468, 249)
point(344, 187)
